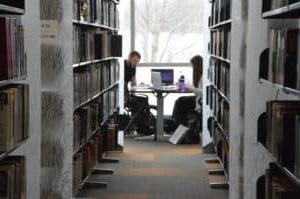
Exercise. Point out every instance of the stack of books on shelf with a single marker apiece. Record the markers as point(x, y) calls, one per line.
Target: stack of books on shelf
point(221, 144)
point(84, 161)
point(12, 54)
point(282, 139)
point(86, 123)
point(284, 67)
point(83, 49)
point(12, 177)
point(107, 45)
point(220, 109)
point(104, 12)
point(221, 42)
point(14, 116)
point(110, 14)
point(90, 44)
point(90, 81)
point(219, 75)
point(278, 186)
point(221, 11)
point(283, 134)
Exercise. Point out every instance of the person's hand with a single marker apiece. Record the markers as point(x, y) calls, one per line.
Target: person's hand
point(189, 86)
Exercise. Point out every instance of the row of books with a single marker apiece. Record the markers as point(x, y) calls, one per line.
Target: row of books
point(219, 107)
point(274, 4)
point(284, 60)
point(278, 186)
point(12, 53)
point(86, 121)
point(220, 44)
point(219, 75)
point(84, 45)
point(12, 177)
point(90, 44)
point(283, 133)
point(85, 160)
point(14, 115)
point(221, 144)
point(103, 12)
point(110, 14)
point(91, 80)
point(220, 11)
point(110, 101)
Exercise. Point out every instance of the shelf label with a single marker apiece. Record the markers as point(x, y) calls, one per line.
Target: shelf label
point(49, 31)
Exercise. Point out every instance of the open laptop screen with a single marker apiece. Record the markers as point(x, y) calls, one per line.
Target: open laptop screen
point(167, 75)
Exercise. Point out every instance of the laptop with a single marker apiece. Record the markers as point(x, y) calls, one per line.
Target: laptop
point(156, 80)
point(167, 76)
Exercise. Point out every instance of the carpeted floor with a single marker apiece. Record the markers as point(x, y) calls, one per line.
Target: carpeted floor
point(156, 170)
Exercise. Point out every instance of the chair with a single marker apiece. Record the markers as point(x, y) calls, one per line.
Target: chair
point(141, 118)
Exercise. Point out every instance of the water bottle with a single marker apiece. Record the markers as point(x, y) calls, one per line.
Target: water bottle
point(181, 83)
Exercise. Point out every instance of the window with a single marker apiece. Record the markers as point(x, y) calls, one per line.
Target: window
point(165, 31)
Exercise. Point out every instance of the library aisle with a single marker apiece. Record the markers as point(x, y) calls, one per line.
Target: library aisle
point(156, 170)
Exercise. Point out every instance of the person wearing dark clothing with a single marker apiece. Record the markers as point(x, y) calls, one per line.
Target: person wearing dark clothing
point(137, 104)
point(130, 63)
point(188, 109)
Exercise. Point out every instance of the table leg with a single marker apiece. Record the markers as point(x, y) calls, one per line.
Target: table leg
point(160, 118)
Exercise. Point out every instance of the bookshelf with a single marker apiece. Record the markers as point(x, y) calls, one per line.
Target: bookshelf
point(280, 9)
point(218, 86)
point(19, 91)
point(261, 78)
point(14, 102)
point(96, 51)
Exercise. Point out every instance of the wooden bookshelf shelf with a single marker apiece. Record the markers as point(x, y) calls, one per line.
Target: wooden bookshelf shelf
point(289, 11)
point(95, 25)
point(94, 61)
point(96, 96)
point(88, 139)
point(221, 128)
point(6, 9)
point(11, 81)
point(221, 58)
point(286, 90)
point(290, 176)
point(220, 93)
point(223, 168)
point(222, 23)
point(3, 155)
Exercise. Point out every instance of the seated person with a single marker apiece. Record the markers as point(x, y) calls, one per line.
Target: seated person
point(130, 63)
point(188, 108)
point(137, 104)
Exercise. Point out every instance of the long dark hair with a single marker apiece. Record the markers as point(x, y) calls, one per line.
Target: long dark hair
point(197, 63)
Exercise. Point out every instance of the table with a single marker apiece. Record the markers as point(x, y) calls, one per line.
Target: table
point(160, 95)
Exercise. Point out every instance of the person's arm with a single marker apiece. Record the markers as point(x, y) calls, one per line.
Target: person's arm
point(133, 81)
point(197, 91)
